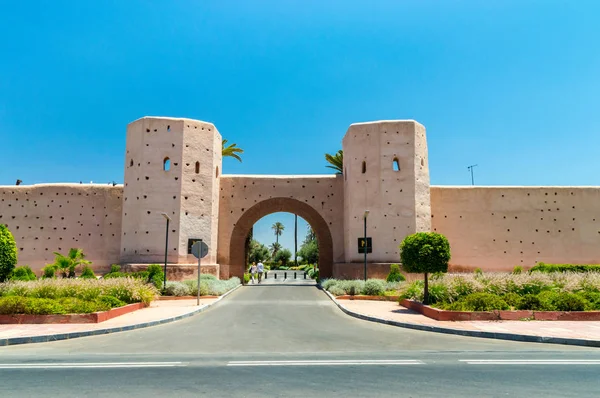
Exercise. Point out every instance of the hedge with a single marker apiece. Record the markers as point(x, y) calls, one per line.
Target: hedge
point(543, 267)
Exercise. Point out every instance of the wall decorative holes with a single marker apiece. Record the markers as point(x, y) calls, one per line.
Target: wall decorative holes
point(166, 164)
point(395, 165)
point(168, 128)
point(217, 172)
point(364, 167)
point(131, 163)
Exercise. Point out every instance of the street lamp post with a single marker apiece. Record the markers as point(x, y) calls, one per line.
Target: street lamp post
point(166, 216)
point(366, 246)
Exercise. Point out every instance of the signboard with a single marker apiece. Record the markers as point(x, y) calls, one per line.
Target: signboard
point(199, 249)
point(365, 244)
point(191, 243)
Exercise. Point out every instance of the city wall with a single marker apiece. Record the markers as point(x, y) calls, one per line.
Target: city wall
point(50, 218)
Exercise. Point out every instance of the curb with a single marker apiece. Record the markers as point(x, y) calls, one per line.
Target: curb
point(469, 333)
point(74, 335)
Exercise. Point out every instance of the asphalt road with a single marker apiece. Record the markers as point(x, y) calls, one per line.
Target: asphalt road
point(289, 340)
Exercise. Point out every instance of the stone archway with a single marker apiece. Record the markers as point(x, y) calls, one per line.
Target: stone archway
point(252, 215)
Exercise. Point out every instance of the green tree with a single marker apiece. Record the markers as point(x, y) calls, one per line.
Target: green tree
point(8, 253)
point(275, 247)
point(283, 256)
point(309, 252)
point(69, 263)
point(336, 161)
point(258, 252)
point(425, 252)
point(231, 150)
point(278, 230)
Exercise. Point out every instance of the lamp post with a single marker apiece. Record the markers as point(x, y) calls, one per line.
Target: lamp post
point(166, 216)
point(365, 224)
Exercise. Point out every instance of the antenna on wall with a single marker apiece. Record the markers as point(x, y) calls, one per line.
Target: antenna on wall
point(471, 170)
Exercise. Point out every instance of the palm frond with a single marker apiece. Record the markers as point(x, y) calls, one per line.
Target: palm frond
point(336, 161)
point(231, 150)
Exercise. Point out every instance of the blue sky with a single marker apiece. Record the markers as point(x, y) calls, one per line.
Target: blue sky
point(509, 85)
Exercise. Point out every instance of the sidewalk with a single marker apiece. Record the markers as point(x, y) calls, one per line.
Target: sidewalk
point(558, 332)
point(159, 312)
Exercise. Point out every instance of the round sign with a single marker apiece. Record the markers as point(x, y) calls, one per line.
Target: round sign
point(200, 249)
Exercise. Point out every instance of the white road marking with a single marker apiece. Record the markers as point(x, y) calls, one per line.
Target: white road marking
point(87, 365)
point(331, 362)
point(531, 361)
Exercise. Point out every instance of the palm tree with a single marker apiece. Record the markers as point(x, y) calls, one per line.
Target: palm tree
point(67, 264)
point(336, 161)
point(278, 229)
point(275, 247)
point(231, 151)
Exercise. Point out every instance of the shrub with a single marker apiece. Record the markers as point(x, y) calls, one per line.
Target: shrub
point(517, 270)
point(395, 275)
point(336, 290)
point(374, 287)
point(532, 302)
point(570, 302)
point(352, 287)
point(512, 299)
point(49, 271)
point(12, 305)
point(414, 291)
point(425, 252)
point(8, 253)
point(392, 286)
point(177, 289)
point(438, 293)
point(115, 268)
point(110, 301)
point(548, 268)
point(246, 278)
point(327, 283)
point(212, 287)
point(156, 275)
point(23, 273)
point(478, 271)
point(87, 273)
point(479, 302)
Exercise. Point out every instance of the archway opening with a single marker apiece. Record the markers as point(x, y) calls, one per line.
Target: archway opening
point(239, 259)
point(282, 241)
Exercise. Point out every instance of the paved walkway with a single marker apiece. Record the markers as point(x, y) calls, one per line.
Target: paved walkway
point(392, 311)
point(158, 310)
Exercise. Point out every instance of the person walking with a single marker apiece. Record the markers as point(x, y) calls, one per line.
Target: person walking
point(253, 270)
point(260, 268)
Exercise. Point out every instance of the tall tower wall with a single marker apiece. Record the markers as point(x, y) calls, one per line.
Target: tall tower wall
point(398, 200)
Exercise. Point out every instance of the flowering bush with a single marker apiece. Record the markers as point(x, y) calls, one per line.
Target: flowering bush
point(128, 290)
point(372, 287)
point(209, 286)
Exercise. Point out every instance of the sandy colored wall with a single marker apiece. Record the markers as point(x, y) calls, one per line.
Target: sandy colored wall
point(496, 228)
point(238, 193)
point(56, 217)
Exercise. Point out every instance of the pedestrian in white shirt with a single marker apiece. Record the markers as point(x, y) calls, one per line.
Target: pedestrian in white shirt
point(260, 269)
point(253, 270)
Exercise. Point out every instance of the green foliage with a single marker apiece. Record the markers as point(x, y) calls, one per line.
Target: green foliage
point(231, 150)
point(63, 305)
point(479, 302)
point(478, 271)
point(533, 302)
point(425, 252)
point(177, 289)
point(336, 161)
point(212, 287)
point(395, 275)
point(115, 268)
point(283, 257)
point(23, 273)
point(87, 273)
point(517, 270)
point(374, 287)
point(156, 275)
point(69, 263)
point(512, 299)
point(548, 268)
point(8, 253)
point(258, 252)
point(309, 252)
point(49, 271)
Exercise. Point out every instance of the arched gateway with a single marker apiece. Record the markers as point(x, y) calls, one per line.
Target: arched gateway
point(253, 214)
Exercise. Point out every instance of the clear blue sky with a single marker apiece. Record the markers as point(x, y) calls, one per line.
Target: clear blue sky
point(512, 86)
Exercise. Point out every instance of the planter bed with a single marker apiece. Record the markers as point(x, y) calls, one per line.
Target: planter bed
point(186, 297)
point(94, 317)
point(442, 315)
point(362, 297)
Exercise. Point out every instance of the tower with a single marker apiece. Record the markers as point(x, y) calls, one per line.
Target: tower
point(172, 166)
point(385, 172)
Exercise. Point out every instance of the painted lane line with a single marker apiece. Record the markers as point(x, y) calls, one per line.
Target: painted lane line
point(326, 363)
point(531, 361)
point(58, 365)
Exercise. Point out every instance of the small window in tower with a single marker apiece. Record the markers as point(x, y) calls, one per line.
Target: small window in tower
point(168, 128)
point(166, 164)
point(364, 167)
point(396, 164)
point(197, 167)
point(131, 163)
point(217, 172)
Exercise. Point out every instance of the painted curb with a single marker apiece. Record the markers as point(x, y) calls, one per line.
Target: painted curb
point(469, 333)
point(73, 335)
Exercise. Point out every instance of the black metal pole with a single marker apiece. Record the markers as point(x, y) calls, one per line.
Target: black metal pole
point(166, 251)
point(366, 246)
point(295, 239)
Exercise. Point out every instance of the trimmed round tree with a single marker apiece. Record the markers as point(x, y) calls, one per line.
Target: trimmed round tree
point(8, 253)
point(425, 252)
